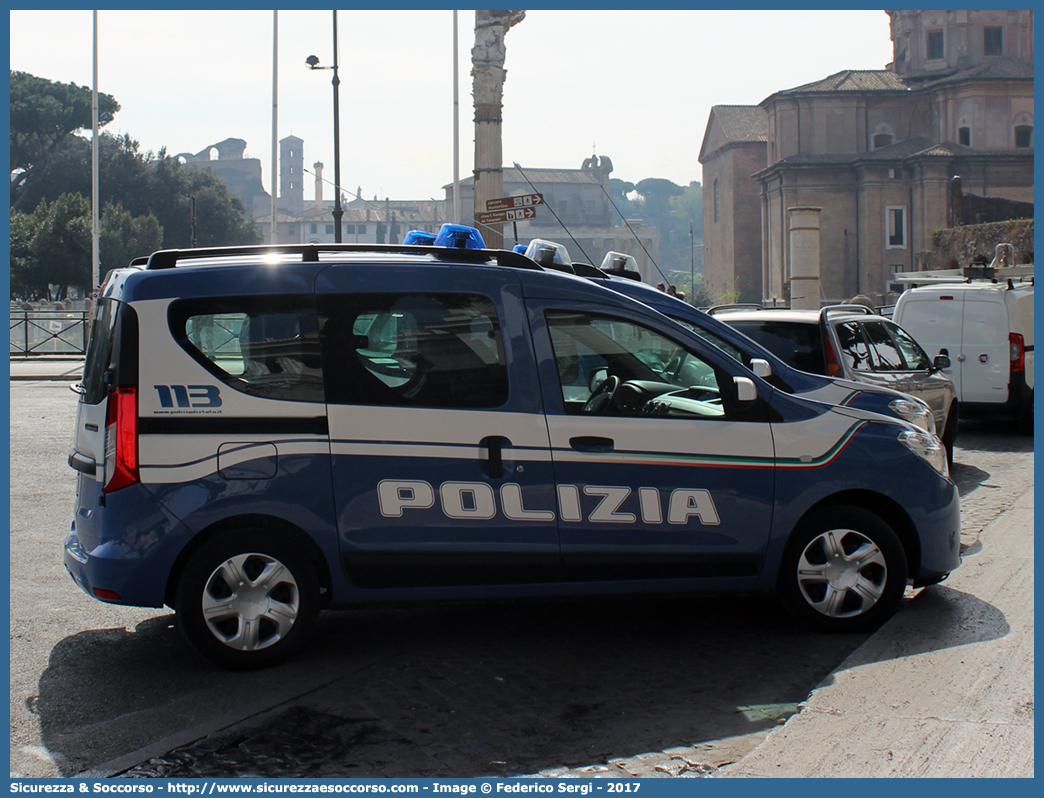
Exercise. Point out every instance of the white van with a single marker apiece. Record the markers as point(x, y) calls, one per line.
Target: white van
point(986, 327)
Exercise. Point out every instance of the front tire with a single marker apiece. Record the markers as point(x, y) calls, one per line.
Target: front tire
point(247, 600)
point(949, 436)
point(844, 570)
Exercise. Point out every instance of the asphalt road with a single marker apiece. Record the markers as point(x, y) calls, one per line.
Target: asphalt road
point(502, 688)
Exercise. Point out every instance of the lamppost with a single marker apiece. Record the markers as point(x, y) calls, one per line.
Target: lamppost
point(313, 63)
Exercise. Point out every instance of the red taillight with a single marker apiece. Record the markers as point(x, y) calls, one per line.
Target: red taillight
point(1017, 347)
point(833, 367)
point(121, 439)
point(110, 595)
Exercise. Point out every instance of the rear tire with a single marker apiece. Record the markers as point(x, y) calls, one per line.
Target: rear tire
point(247, 599)
point(1026, 421)
point(844, 570)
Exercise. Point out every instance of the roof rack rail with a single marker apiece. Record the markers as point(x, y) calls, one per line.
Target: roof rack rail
point(735, 306)
point(169, 258)
point(965, 275)
point(855, 307)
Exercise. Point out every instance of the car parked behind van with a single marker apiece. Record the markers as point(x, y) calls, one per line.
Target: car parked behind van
point(853, 342)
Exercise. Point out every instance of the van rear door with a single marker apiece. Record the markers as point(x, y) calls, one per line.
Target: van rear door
point(986, 365)
point(111, 362)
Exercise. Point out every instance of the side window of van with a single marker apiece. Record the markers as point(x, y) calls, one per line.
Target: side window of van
point(420, 350)
point(711, 338)
point(589, 350)
point(915, 357)
point(889, 358)
point(263, 346)
point(854, 349)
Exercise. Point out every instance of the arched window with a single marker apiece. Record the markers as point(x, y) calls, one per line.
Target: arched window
point(716, 215)
point(964, 135)
point(882, 140)
point(883, 136)
point(1023, 130)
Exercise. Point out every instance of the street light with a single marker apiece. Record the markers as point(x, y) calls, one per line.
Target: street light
point(313, 63)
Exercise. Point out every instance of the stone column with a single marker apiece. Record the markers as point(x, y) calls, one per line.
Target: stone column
point(488, 73)
point(803, 227)
point(318, 167)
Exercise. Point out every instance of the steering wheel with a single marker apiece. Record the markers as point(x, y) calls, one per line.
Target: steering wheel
point(602, 398)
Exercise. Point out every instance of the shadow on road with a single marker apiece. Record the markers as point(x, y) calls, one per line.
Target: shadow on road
point(967, 478)
point(449, 690)
point(942, 617)
point(500, 688)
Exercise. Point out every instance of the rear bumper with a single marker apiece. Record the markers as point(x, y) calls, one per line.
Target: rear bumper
point(120, 580)
point(124, 546)
point(1018, 404)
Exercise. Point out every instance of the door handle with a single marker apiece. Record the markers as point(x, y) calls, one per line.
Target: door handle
point(592, 443)
point(495, 454)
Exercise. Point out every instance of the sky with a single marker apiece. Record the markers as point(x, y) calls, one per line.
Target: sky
point(636, 86)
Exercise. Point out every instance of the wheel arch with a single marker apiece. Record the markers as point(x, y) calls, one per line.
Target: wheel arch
point(302, 540)
point(953, 414)
point(885, 508)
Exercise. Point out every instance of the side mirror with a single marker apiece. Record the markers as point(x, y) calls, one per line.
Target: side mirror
point(746, 391)
point(598, 376)
point(761, 368)
point(941, 362)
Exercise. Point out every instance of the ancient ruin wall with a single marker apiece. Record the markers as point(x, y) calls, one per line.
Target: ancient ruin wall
point(958, 246)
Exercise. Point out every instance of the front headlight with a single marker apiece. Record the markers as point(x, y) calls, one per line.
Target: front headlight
point(917, 413)
point(926, 446)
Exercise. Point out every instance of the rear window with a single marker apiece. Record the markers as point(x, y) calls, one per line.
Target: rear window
point(99, 352)
point(796, 344)
point(263, 346)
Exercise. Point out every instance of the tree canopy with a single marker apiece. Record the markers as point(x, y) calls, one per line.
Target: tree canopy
point(148, 184)
point(43, 115)
point(145, 196)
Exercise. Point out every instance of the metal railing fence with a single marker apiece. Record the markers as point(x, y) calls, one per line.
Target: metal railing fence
point(48, 332)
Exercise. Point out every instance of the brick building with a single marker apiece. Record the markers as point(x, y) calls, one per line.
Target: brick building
point(876, 150)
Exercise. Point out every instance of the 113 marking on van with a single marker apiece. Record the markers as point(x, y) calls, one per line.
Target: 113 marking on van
point(187, 395)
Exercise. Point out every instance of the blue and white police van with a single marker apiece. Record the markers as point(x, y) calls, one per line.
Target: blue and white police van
point(264, 432)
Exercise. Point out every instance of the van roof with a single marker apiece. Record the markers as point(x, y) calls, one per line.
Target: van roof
point(312, 253)
point(954, 288)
